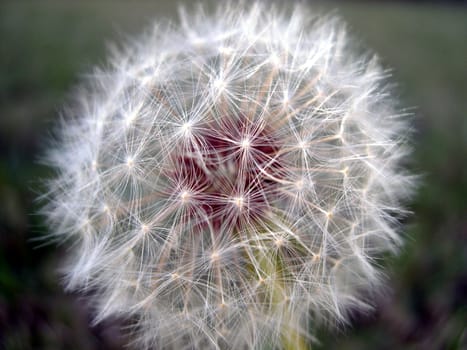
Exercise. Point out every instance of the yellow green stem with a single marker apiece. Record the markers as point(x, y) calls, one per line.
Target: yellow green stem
point(291, 339)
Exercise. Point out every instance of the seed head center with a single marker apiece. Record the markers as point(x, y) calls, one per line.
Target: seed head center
point(227, 174)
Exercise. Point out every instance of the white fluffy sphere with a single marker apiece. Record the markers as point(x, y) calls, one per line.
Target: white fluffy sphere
point(230, 181)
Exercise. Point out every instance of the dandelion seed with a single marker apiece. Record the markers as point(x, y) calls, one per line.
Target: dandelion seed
point(130, 162)
point(279, 242)
point(299, 184)
point(302, 145)
point(225, 50)
point(185, 196)
point(245, 144)
point(238, 201)
point(214, 256)
point(275, 60)
point(144, 229)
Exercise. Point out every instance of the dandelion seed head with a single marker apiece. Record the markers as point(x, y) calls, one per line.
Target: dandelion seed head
point(232, 181)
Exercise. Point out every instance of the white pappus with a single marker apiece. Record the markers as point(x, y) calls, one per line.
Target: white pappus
point(230, 181)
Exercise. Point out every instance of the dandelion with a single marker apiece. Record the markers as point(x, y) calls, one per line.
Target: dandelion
point(230, 182)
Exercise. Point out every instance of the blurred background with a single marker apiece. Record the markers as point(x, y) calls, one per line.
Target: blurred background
point(46, 46)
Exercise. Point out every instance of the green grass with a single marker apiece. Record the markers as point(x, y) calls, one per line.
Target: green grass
point(46, 46)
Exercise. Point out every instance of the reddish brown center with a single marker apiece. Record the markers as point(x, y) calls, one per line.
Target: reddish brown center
point(225, 173)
